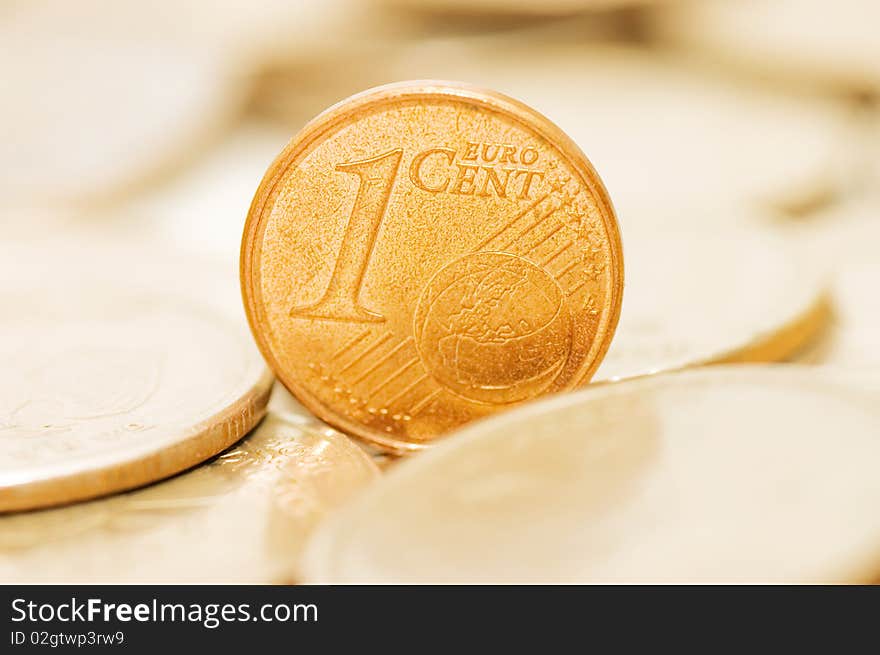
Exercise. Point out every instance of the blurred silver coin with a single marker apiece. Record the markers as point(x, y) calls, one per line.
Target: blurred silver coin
point(699, 296)
point(733, 474)
point(241, 518)
point(805, 41)
point(202, 210)
point(844, 240)
point(118, 367)
point(93, 112)
point(670, 141)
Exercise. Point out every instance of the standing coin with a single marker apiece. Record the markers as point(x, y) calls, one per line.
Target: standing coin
point(428, 253)
point(112, 376)
point(242, 518)
point(734, 474)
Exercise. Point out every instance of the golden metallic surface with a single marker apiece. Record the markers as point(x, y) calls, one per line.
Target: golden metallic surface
point(115, 371)
point(241, 518)
point(425, 254)
point(732, 474)
point(697, 296)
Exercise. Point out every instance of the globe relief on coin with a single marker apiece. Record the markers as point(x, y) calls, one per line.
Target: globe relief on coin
point(425, 254)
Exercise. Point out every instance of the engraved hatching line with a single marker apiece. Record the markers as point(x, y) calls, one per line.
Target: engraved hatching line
point(351, 344)
point(407, 389)
point(543, 239)
point(557, 252)
point(573, 291)
point(511, 222)
point(541, 218)
point(385, 337)
point(391, 378)
point(381, 361)
point(567, 269)
point(419, 406)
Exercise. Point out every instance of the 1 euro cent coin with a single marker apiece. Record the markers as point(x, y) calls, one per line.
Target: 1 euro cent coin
point(425, 254)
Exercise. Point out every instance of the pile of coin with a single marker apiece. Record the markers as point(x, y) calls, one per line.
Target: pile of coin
point(593, 299)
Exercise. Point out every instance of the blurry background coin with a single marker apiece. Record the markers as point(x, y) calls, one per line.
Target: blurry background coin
point(496, 8)
point(118, 367)
point(701, 296)
point(845, 238)
point(200, 211)
point(105, 99)
point(91, 113)
point(804, 41)
point(666, 136)
point(241, 518)
point(724, 475)
point(425, 254)
point(852, 340)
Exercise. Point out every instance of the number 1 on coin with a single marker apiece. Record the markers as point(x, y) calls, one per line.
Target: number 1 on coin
point(340, 299)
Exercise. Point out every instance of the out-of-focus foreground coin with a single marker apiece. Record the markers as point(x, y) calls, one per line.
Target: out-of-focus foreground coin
point(425, 254)
point(802, 40)
point(116, 369)
point(734, 474)
point(697, 296)
point(241, 518)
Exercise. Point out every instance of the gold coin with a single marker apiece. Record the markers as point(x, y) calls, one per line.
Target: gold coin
point(428, 253)
point(242, 518)
point(114, 376)
point(734, 474)
point(698, 296)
